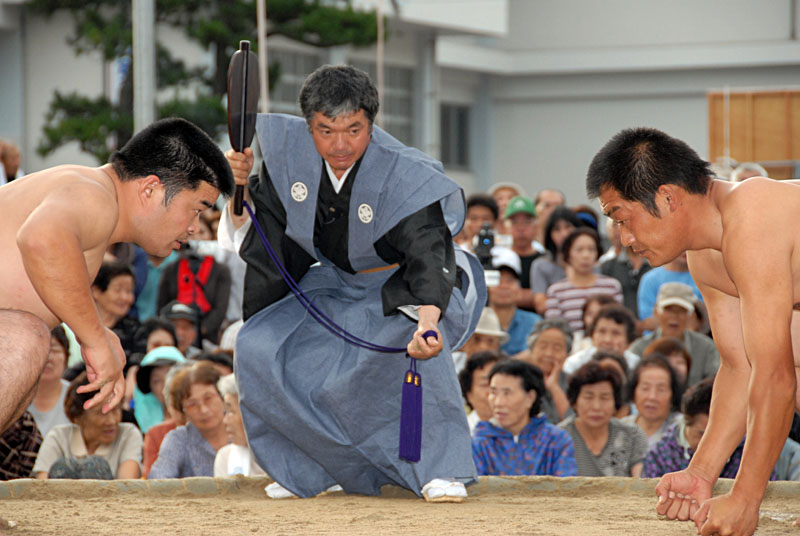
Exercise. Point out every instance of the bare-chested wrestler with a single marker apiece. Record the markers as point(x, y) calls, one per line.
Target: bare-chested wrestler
point(744, 255)
point(57, 224)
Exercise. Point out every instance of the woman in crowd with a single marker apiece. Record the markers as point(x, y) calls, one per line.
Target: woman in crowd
point(550, 268)
point(676, 353)
point(656, 392)
point(153, 333)
point(47, 406)
point(566, 298)
point(677, 446)
point(190, 450)
point(172, 419)
point(94, 440)
point(517, 440)
point(604, 446)
point(618, 363)
point(112, 291)
point(150, 405)
point(548, 346)
point(591, 308)
point(234, 458)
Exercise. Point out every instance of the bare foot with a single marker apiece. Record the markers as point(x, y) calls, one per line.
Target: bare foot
point(7, 525)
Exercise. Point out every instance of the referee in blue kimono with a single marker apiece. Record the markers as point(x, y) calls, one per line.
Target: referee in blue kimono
point(364, 224)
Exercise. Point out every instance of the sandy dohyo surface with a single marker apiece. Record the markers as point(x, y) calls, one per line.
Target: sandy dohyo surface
point(516, 505)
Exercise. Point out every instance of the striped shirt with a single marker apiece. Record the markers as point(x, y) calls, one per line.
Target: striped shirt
point(626, 446)
point(566, 300)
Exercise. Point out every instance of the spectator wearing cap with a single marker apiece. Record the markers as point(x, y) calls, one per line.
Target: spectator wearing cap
point(148, 397)
point(565, 298)
point(548, 346)
point(674, 305)
point(745, 170)
point(185, 319)
point(503, 193)
point(517, 440)
point(503, 301)
point(488, 336)
point(474, 380)
point(201, 281)
point(520, 217)
point(676, 271)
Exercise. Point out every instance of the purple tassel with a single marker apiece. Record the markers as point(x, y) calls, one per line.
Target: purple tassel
point(411, 415)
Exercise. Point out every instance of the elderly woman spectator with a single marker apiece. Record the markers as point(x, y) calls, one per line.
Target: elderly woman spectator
point(548, 346)
point(113, 292)
point(617, 363)
point(604, 446)
point(47, 406)
point(549, 269)
point(234, 458)
point(488, 336)
point(474, 380)
point(580, 249)
point(172, 419)
point(517, 441)
point(94, 439)
point(675, 449)
point(656, 392)
point(677, 355)
point(190, 450)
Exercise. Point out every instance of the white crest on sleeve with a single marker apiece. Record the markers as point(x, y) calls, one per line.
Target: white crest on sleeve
point(365, 213)
point(299, 192)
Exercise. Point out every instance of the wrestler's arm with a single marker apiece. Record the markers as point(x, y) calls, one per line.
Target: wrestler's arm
point(52, 242)
point(681, 493)
point(762, 274)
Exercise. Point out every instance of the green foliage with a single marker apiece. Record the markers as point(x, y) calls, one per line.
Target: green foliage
point(104, 26)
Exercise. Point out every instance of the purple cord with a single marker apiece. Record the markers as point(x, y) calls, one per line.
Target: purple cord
point(312, 309)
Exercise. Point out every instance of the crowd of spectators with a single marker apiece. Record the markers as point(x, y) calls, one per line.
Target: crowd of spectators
point(585, 360)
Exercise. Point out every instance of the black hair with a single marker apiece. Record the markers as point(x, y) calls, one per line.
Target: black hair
point(637, 161)
point(660, 361)
point(590, 374)
point(620, 360)
point(179, 153)
point(667, 346)
point(580, 231)
point(110, 270)
point(618, 314)
point(483, 200)
point(559, 213)
point(147, 327)
point(600, 299)
point(60, 334)
point(697, 399)
point(333, 90)
point(475, 361)
point(530, 375)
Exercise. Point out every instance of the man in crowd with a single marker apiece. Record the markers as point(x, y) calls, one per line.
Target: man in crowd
point(673, 308)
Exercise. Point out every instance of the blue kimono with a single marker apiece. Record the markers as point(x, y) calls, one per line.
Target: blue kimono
point(317, 410)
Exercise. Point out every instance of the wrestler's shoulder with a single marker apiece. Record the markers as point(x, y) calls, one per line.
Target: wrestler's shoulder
point(75, 177)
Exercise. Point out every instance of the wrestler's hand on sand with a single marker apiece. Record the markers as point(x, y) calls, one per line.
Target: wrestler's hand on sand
point(241, 164)
point(681, 494)
point(425, 348)
point(727, 515)
point(104, 360)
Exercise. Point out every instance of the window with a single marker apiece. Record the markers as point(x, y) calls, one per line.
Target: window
point(397, 98)
point(455, 135)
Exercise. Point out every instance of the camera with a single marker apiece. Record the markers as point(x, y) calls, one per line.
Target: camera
point(484, 243)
